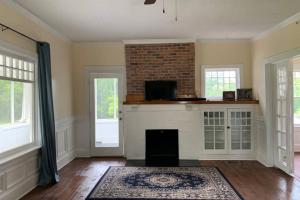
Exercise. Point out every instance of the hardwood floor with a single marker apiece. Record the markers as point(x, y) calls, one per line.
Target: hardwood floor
point(250, 178)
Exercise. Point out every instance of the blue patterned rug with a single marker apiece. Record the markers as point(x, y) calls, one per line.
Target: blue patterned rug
point(180, 183)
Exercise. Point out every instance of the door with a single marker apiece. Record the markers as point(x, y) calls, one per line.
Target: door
point(284, 116)
point(215, 131)
point(240, 130)
point(105, 114)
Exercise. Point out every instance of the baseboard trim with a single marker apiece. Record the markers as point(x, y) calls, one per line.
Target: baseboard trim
point(297, 147)
point(226, 157)
point(82, 153)
point(263, 161)
point(66, 159)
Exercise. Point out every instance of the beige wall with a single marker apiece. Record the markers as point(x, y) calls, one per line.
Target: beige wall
point(285, 39)
point(92, 54)
point(113, 53)
point(225, 53)
point(60, 55)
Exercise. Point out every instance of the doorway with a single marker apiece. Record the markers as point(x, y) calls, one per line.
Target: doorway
point(296, 86)
point(105, 114)
point(283, 102)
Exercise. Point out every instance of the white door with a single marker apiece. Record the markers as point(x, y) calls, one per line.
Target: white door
point(284, 116)
point(105, 114)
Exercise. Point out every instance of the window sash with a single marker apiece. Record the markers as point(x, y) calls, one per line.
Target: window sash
point(16, 68)
point(236, 77)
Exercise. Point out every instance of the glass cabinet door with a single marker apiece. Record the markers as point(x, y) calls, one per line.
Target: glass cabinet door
point(240, 122)
point(214, 130)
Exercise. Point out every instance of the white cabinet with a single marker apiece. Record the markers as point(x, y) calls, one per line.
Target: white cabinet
point(206, 132)
point(228, 131)
point(240, 130)
point(214, 130)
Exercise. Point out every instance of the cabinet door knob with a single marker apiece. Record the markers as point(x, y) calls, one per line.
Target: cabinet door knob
point(228, 127)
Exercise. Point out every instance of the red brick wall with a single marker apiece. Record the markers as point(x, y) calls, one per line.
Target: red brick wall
point(160, 62)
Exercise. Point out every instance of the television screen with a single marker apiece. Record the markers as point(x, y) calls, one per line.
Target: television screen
point(160, 90)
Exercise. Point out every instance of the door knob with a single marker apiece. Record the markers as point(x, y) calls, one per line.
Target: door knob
point(120, 118)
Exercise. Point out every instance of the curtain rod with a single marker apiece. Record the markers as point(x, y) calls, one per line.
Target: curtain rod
point(4, 27)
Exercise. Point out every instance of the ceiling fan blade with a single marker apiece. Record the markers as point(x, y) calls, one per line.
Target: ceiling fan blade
point(149, 2)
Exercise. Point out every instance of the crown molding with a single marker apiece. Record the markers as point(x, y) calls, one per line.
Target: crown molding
point(159, 41)
point(35, 19)
point(279, 26)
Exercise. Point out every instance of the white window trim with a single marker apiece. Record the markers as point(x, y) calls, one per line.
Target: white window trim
point(240, 77)
point(36, 140)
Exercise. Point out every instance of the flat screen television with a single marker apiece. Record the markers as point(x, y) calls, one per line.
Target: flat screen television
point(160, 90)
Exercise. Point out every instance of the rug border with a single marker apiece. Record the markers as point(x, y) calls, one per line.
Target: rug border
point(88, 197)
point(237, 192)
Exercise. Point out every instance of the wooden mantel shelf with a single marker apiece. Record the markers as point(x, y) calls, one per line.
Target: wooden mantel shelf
point(143, 102)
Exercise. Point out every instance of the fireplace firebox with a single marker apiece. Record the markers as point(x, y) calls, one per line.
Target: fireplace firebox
point(162, 147)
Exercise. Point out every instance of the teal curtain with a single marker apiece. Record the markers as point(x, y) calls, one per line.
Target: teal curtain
point(48, 167)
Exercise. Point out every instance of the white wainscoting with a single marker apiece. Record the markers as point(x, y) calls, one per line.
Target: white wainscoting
point(83, 138)
point(261, 148)
point(297, 138)
point(19, 175)
point(65, 142)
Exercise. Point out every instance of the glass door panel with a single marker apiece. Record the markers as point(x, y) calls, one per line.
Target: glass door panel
point(214, 130)
point(240, 129)
point(106, 112)
point(284, 117)
point(105, 109)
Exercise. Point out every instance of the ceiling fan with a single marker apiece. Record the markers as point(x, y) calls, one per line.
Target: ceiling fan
point(149, 2)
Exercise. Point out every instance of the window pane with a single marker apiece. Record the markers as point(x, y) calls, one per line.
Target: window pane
point(18, 100)
point(5, 102)
point(16, 121)
point(219, 80)
point(107, 98)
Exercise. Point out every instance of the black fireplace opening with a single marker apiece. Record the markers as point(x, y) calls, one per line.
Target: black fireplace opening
point(162, 147)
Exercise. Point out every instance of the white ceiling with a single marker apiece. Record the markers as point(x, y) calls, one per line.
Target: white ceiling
point(112, 20)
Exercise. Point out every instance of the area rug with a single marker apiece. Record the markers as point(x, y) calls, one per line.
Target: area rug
point(178, 183)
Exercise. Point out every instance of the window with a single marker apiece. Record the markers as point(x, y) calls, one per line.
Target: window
point(106, 90)
point(217, 80)
point(296, 82)
point(16, 101)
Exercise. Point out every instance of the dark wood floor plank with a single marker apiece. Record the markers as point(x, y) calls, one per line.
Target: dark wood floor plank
point(251, 179)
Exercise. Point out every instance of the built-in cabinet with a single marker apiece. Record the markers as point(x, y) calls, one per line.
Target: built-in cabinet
point(222, 131)
point(227, 131)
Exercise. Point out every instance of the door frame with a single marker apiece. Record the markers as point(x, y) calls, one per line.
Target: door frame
point(267, 101)
point(121, 70)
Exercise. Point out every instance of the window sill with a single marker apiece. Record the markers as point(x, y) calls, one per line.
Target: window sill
point(7, 158)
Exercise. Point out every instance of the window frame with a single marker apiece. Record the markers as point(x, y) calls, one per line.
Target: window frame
point(17, 52)
point(204, 68)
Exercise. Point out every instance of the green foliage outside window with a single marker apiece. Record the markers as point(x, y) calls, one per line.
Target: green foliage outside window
point(107, 98)
point(214, 87)
point(6, 101)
